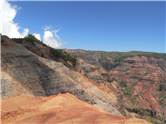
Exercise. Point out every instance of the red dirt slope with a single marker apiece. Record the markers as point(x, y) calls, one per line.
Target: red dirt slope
point(60, 109)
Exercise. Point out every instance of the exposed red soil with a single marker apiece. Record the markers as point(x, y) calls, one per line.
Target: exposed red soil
point(60, 109)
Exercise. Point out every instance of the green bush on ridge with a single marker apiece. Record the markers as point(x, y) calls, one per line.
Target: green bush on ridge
point(31, 38)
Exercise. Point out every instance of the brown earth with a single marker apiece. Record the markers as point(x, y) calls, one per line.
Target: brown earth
point(60, 109)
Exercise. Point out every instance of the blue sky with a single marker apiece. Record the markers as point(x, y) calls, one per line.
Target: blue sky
point(108, 26)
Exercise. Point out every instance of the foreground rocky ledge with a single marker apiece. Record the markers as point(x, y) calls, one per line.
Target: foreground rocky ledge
point(60, 109)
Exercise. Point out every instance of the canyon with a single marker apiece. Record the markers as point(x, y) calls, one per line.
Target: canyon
point(44, 85)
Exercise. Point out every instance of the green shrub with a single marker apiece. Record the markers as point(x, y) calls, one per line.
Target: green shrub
point(162, 99)
point(60, 54)
point(126, 91)
point(31, 38)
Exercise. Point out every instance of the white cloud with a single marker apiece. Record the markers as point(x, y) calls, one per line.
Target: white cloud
point(7, 25)
point(51, 38)
point(12, 29)
point(37, 36)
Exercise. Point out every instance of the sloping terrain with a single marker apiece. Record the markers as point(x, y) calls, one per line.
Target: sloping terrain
point(137, 79)
point(42, 77)
point(131, 84)
point(60, 109)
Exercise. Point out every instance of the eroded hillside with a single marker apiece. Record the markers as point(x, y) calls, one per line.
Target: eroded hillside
point(137, 79)
point(60, 109)
point(131, 84)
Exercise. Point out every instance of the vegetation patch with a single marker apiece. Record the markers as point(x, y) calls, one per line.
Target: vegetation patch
point(125, 88)
point(31, 38)
point(162, 99)
point(120, 56)
point(149, 115)
point(162, 86)
point(126, 91)
point(62, 55)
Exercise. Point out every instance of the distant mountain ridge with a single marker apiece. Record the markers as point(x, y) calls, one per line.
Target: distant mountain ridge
point(131, 83)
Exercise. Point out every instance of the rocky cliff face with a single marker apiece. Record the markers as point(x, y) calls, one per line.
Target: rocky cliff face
point(137, 80)
point(131, 84)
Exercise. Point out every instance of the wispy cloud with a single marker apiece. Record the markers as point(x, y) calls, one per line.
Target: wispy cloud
point(12, 29)
point(51, 38)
